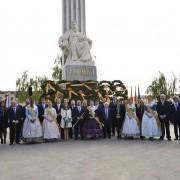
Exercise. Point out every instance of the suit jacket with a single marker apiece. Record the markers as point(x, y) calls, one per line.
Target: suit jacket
point(163, 109)
point(122, 111)
point(1, 118)
point(18, 116)
point(58, 111)
point(113, 108)
point(175, 113)
point(77, 113)
point(41, 110)
point(139, 111)
point(103, 115)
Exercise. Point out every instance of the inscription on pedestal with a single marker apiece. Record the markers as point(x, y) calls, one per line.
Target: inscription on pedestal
point(80, 73)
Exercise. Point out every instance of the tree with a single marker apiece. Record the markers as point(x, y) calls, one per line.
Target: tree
point(23, 83)
point(160, 85)
point(57, 70)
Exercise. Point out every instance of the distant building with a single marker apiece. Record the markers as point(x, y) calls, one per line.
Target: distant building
point(12, 94)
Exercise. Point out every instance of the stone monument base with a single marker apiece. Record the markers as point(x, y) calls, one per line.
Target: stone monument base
point(79, 72)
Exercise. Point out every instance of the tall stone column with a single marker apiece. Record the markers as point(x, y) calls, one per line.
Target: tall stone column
point(80, 68)
point(73, 10)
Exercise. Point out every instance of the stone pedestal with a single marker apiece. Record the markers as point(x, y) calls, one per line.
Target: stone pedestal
point(79, 72)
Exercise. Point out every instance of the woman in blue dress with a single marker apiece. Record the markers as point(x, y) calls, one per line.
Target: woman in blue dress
point(32, 129)
point(150, 121)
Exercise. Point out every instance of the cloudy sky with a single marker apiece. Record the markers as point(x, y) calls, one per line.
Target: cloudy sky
point(133, 39)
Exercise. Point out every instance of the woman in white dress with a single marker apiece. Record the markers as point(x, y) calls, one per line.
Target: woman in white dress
point(150, 121)
point(50, 126)
point(66, 120)
point(130, 126)
point(32, 130)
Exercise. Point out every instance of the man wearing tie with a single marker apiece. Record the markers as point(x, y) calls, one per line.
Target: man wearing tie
point(175, 116)
point(120, 116)
point(15, 115)
point(77, 120)
point(113, 108)
point(106, 118)
point(163, 110)
point(73, 107)
point(41, 109)
point(58, 107)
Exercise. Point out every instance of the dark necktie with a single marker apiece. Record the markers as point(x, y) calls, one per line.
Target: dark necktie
point(106, 113)
point(14, 110)
point(176, 105)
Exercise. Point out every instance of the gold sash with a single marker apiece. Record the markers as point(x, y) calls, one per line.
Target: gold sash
point(132, 114)
point(155, 116)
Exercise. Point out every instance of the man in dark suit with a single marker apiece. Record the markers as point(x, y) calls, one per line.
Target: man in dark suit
point(57, 106)
point(3, 122)
point(24, 108)
point(163, 110)
point(139, 113)
point(113, 108)
point(119, 116)
point(175, 116)
point(106, 118)
point(41, 108)
point(72, 106)
point(77, 115)
point(15, 115)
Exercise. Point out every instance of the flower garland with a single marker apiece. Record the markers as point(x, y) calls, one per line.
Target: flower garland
point(91, 90)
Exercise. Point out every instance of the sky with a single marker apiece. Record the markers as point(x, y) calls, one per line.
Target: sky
point(132, 39)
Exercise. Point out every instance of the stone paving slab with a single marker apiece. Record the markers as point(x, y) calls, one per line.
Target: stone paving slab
point(92, 160)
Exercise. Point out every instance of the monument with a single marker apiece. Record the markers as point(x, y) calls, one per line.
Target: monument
point(77, 62)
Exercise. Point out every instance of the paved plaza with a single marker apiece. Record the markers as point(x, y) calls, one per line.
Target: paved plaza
point(92, 160)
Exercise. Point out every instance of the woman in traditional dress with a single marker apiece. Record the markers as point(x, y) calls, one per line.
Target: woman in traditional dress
point(50, 126)
point(32, 130)
point(92, 126)
point(66, 120)
point(150, 120)
point(130, 126)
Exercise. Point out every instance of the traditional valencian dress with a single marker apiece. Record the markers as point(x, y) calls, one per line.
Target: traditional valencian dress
point(150, 121)
point(50, 126)
point(130, 127)
point(32, 130)
point(92, 126)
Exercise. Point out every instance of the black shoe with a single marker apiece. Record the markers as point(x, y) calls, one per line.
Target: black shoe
point(11, 144)
point(151, 138)
point(161, 138)
point(1, 141)
point(176, 139)
point(169, 139)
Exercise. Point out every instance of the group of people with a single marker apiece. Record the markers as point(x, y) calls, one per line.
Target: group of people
point(46, 122)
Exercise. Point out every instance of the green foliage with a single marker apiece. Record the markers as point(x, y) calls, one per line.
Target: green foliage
point(90, 90)
point(24, 82)
point(160, 85)
point(36, 82)
point(57, 71)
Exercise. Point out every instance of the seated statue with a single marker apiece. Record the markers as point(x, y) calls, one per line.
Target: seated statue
point(75, 45)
